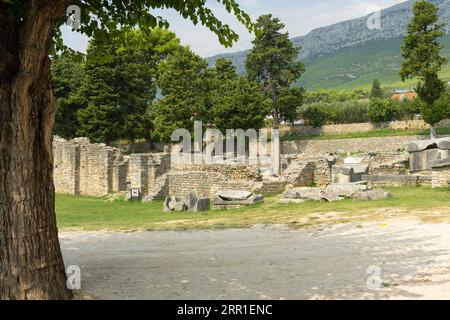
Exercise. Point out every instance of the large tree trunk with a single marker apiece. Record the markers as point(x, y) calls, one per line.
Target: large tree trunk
point(31, 264)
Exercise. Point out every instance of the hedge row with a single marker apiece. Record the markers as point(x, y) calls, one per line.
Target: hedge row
point(377, 110)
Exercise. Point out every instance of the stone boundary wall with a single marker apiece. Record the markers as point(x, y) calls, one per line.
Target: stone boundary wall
point(358, 127)
point(440, 177)
point(312, 148)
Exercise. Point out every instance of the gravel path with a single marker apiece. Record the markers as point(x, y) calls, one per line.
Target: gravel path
point(266, 262)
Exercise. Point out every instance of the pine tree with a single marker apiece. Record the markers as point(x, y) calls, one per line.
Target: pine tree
point(68, 76)
point(136, 72)
point(225, 69)
point(185, 82)
point(121, 85)
point(376, 92)
point(273, 64)
point(237, 103)
point(422, 60)
point(100, 121)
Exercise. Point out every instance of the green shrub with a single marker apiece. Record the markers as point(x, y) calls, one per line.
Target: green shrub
point(351, 112)
point(408, 109)
point(338, 112)
point(414, 107)
point(333, 96)
point(383, 110)
point(437, 112)
point(315, 115)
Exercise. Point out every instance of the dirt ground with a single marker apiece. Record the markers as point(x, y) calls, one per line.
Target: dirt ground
point(266, 262)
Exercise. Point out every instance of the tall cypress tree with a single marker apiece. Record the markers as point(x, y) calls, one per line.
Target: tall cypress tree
point(422, 60)
point(376, 92)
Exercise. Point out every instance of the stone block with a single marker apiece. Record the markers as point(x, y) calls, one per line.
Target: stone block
point(231, 199)
point(201, 205)
point(377, 194)
point(391, 180)
point(233, 195)
point(345, 190)
point(348, 173)
point(188, 204)
point(353, 160)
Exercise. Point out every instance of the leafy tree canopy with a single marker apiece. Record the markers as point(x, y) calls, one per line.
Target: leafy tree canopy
point(185, 82)
point(120, 84)
point(237, 103)
point(106, 17)
point(273, 64)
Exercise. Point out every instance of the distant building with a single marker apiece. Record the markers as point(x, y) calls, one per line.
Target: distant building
point(402, 95)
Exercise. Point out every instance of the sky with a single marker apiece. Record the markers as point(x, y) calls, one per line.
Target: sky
point(299, 16)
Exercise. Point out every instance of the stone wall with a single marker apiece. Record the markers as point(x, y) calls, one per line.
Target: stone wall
point(335, 129)
point(440, 177)
point(312, 148)
point(391, 180)
point(389, 163)
point(203, 183)
point(206, 180)
point(270, 187)
point(96, 169)
point(322, 172)
point(299, 173)
point(84, 168)
point(66, 166)
point(120, 175)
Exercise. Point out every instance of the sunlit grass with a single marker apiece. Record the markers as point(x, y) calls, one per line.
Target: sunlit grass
point(376, 133)
point(89, 213)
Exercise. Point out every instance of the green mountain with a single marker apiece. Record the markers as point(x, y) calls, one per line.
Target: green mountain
point(357, 66)
point(350, 55)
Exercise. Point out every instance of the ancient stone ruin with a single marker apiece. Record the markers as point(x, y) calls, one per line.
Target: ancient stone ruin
point(431, 156)
point(83, 168)
point(231, 199)
point(188, 204)
point(334, 192)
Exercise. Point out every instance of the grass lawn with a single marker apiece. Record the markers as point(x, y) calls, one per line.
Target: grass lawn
point(377, 133)
point(88, 213)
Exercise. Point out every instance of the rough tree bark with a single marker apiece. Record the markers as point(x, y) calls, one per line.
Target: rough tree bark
point(31, 264)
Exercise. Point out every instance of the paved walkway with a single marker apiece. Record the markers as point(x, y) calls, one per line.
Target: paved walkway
point(266, 262)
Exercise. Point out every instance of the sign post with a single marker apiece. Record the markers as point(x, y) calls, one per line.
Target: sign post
point(135, 195)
